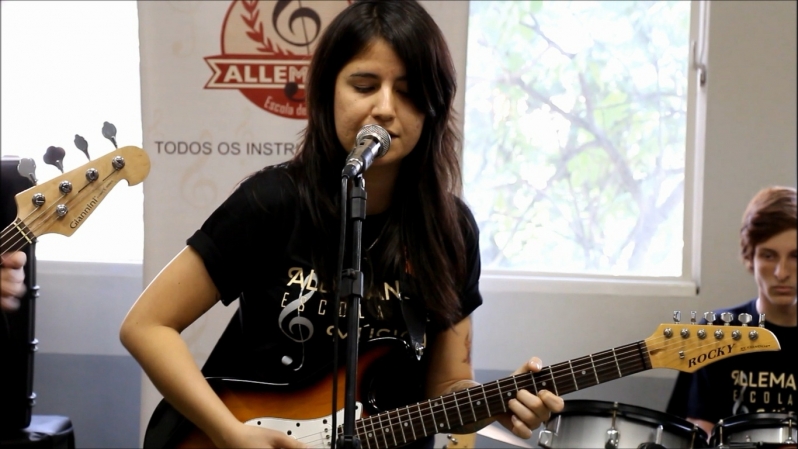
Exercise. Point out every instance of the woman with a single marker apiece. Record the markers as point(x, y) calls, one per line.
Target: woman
point(274, 242)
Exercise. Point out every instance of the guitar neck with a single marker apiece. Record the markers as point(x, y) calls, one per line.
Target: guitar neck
point(15, 237)
point(441, 415)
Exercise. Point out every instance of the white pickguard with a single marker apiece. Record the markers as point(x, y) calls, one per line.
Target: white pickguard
point(316, 432)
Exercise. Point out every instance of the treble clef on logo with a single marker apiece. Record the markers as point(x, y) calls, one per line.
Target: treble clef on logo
point(291, 88)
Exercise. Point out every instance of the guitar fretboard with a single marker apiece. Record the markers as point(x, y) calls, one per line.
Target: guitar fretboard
point(15, 237)
point(442, 414)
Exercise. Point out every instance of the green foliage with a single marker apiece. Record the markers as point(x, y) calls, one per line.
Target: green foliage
point(575, 134)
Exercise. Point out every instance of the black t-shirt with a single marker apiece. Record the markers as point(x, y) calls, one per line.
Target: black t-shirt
point(759, 382)
point(256, 248)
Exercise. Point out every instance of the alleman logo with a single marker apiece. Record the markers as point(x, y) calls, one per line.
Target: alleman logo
point(266, 50)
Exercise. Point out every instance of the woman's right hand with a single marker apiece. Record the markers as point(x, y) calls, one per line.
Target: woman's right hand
point(245, 436)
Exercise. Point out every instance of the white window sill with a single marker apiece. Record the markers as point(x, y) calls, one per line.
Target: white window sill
point(506, 281)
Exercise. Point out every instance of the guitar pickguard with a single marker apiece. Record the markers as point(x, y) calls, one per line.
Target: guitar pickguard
point(313, 432)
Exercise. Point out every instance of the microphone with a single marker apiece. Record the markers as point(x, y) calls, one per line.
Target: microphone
point(372, 142)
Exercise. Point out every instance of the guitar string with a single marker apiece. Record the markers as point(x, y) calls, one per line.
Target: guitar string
point(449, 399)
point(44, 213)
point(426, 409)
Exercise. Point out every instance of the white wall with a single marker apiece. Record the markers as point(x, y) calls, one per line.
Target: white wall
point(750, 143)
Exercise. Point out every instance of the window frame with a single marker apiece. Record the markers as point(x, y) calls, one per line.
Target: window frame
point(504, 280)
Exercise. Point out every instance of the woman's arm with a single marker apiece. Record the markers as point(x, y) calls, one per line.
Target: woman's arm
point(450, 370)
point(181, 293)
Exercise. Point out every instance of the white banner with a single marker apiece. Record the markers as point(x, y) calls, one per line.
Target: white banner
point(222, 85)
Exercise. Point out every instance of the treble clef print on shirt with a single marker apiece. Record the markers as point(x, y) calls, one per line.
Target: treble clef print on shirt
point(299, 328)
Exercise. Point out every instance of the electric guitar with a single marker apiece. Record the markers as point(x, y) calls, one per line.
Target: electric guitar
point(304, 414)
point(62, 204)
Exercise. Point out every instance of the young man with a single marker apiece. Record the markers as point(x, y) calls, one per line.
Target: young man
point(763, 382)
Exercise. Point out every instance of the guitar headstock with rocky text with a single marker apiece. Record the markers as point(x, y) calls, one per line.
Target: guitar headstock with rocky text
point(690, 346)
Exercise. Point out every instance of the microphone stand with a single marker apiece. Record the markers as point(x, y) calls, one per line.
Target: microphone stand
point(352, 288)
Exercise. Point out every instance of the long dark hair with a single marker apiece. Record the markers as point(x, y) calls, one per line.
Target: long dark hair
point(425, 229)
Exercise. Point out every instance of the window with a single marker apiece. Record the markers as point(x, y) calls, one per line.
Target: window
point(68, 67)
point(576, 137)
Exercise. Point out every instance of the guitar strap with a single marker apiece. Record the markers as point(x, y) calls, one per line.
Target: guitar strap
point(414, 314)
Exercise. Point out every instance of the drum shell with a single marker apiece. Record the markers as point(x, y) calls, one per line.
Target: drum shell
point(584, 424)
point(773, 428)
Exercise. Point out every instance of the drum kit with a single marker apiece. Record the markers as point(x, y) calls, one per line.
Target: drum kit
point(610, 425)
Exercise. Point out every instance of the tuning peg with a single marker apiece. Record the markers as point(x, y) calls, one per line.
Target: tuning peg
point(109, 132)
point(727, 318)
point(761, 320)
point(82, 145)
point(692, 317)
point(27, 169)
point(55, 156)
point(710, 317)
point(744, 318)
point(677, 316)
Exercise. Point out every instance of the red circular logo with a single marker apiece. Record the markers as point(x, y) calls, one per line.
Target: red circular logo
point(266, 50)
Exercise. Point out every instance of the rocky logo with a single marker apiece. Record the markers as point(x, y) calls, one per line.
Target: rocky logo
point(266, 50)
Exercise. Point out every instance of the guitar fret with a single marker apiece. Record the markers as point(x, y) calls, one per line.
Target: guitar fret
point(412, 426)
point(445, 415)
point(594, 369)
point(457, 407)
point(384, 431)
point(567, 383)
point(542, 373)
point(534, 384)
point(372, 434)
point(487, 405)
point(471, 402)
point(432, 413)
point(501, 397)
point(365, 433)
point(573, 375)
point(401, 425)
point(24, 233)
point(581, 367)
point(620, 374)
point(421, 418)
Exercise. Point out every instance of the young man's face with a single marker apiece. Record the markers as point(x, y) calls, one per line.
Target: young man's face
point(775, 268)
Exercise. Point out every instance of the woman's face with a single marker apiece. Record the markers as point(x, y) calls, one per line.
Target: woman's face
point(372, 89)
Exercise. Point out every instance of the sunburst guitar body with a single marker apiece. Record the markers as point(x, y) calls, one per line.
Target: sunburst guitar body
point(305, 413)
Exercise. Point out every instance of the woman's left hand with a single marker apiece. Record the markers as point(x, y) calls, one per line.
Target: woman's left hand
point(527, 410)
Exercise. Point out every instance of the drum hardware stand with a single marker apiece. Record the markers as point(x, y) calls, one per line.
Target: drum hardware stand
point(721, 443)
point(613, 436)
point(790, 422)
point(546, 436)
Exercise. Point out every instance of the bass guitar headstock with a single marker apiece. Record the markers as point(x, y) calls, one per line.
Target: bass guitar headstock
point(62, 204)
